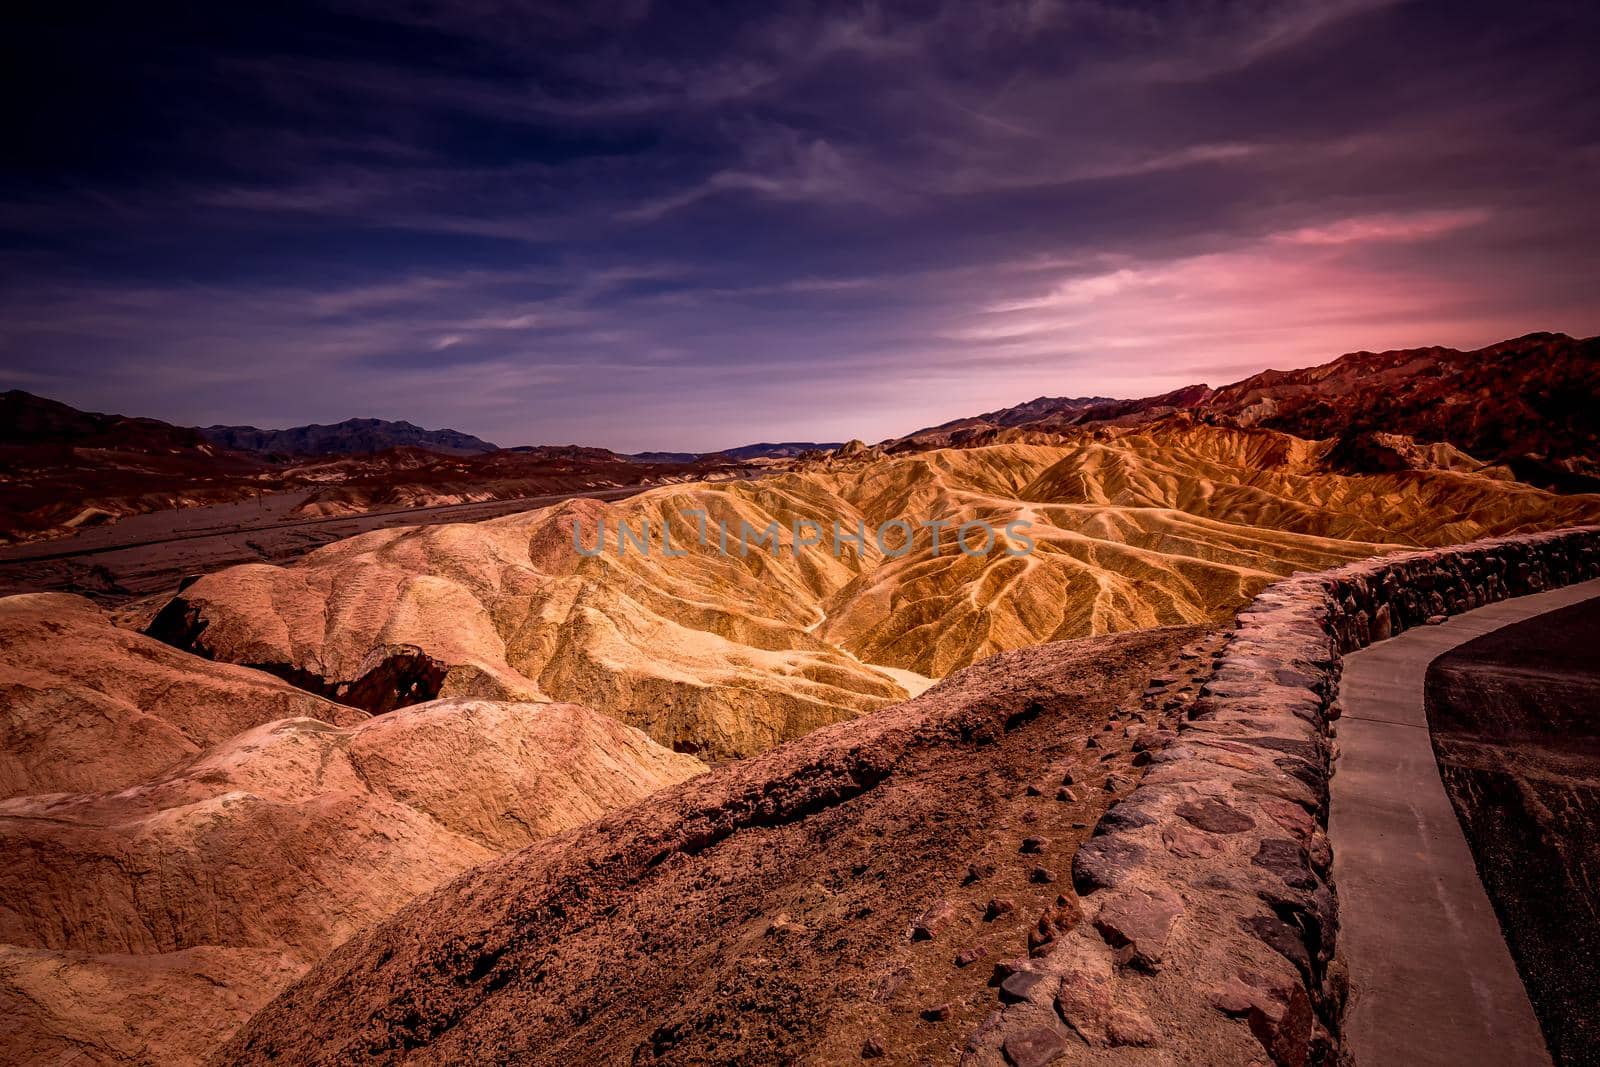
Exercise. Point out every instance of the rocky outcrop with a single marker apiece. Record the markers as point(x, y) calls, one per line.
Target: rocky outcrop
point(390, 676)
point(1208, 890)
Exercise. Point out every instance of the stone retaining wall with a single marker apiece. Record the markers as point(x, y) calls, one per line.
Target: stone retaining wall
point(1210, 915)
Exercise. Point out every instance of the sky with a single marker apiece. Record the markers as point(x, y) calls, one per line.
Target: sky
point(680, 226)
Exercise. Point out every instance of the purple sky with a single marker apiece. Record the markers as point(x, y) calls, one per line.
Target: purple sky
point(672, 227)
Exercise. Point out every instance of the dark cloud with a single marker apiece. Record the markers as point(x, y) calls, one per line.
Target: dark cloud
point(677, 226)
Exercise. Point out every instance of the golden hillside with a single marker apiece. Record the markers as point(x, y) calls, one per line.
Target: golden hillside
point(727, 654)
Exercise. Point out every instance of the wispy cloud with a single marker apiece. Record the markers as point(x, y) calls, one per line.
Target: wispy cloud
point(1419, 226)
point(779, 164)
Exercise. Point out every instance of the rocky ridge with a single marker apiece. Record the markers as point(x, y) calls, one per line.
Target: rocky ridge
point(1526, 404)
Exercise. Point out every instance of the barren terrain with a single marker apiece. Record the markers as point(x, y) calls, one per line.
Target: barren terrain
point(63, 471)
point(151, 553)
point(727, 653)
point(285, 718)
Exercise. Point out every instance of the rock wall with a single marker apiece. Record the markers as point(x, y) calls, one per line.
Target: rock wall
point(1211, 913)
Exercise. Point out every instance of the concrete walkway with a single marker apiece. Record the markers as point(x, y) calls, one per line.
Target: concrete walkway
point(1431, 979)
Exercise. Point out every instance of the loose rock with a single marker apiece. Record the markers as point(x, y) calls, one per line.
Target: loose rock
point(999, 906)
point(968, 956)
point(1021, 986)
point(934, 919)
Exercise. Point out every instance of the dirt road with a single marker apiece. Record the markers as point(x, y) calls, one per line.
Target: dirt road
point(150, 553)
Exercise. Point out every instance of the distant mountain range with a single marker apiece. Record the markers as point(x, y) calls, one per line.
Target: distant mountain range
point(70, 468)
point(36, 420)
point(352, 437)
point(66, 469)
point(742, 454)
point(26, 419)
point(1528, 403)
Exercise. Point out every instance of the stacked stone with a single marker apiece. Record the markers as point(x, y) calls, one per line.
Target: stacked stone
point(1210, 910)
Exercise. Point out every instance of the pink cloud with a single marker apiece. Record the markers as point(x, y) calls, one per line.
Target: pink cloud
point(1139, 327)
point(1419, 226)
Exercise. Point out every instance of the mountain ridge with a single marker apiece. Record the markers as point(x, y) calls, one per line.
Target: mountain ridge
point(29, 419)
point(1526, 402)
point(352, 437)
point(758, 450)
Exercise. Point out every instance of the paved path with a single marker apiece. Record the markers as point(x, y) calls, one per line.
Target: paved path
point(1431, 979)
